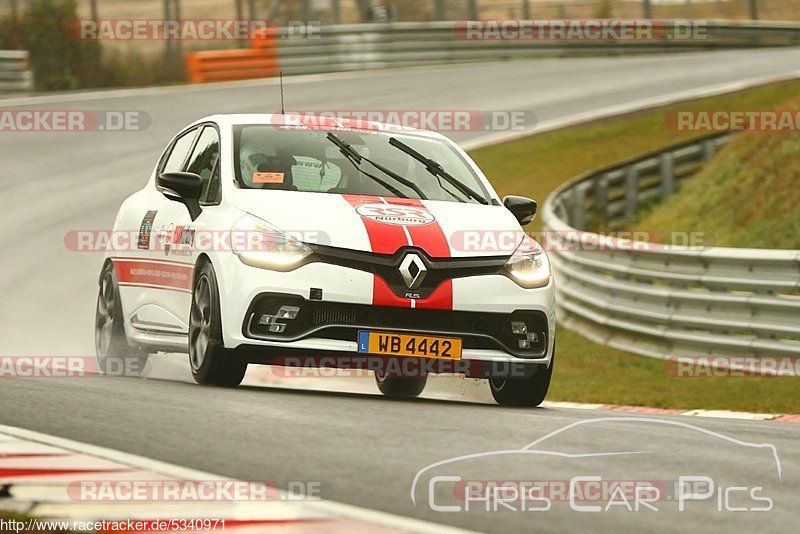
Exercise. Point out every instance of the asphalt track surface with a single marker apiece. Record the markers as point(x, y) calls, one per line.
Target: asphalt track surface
point(365, 449)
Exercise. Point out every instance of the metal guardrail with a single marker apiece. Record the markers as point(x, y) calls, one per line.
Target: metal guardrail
point(666, 301)
point(373, 46)
point(15, 73)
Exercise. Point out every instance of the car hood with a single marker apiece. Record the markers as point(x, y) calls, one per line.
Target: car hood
point(385, 224)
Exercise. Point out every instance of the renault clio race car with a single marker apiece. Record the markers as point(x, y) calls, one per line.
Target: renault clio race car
point(276, 240)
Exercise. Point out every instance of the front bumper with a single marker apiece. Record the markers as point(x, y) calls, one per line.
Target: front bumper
point(346, 301)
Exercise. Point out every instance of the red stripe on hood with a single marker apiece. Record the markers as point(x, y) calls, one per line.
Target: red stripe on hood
point(428, 237)
point(383, 238)
point(388, 238)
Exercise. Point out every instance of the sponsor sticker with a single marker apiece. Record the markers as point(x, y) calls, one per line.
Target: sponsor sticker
point(146, 229)
point(393, 214)
point(267, 177)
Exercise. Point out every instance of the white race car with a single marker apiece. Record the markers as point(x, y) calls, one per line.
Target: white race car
point(276, 240)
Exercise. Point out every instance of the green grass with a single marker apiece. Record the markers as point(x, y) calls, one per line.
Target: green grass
point(589, 372)
point(747, 196)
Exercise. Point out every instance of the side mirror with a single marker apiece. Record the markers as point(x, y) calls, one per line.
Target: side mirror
point(183, 187)
point(524, 209)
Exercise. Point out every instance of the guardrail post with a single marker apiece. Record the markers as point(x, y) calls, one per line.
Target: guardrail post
point(631, 191)
point(667, 176)
point(601, 196)
point(577, 216)
point(709, 148)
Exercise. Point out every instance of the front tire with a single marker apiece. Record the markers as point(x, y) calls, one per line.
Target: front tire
point(529, 391)
point(212, 364)
point(114, 355)
point(400, 386)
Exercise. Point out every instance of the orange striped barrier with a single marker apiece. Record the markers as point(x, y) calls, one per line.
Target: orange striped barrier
point(260, 61)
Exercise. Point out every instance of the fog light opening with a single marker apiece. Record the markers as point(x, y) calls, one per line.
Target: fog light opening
point(284, 313)
point(519, 328)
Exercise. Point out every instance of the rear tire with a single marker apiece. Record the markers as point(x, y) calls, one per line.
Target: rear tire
point(400, 386)
point(115, 357)
point(212, 364)
point(530, 391)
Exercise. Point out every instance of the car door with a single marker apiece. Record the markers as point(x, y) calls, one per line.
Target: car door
point(178, 232)
point(156, 282)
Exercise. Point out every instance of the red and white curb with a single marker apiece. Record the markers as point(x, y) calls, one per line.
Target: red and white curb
point(722, 414)
point(36, 471)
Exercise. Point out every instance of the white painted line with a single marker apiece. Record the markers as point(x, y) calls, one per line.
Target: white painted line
point(335, 509)
point(572, 405)
point(721, 414)
point(726, 414)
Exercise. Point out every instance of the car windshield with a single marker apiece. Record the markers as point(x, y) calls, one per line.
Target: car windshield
point(358, 162)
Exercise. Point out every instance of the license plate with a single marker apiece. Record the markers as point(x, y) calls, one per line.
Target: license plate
point(447, 348)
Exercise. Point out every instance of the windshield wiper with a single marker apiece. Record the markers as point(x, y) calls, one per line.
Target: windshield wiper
point(436, 169)
point(355, 158)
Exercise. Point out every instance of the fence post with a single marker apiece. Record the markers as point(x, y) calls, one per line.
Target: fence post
point(754, 9)
point(631, 191)
point(473, 10)
point(167, 42)
point(526, 9)
point(439, 9)
point(667, 176)
point(648, 9)
point(176, 61)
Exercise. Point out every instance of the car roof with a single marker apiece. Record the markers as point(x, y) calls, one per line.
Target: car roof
point(277, 119)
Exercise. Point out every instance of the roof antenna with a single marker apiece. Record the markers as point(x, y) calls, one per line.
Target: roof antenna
point(283, 109)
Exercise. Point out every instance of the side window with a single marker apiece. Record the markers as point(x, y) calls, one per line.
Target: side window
point(204, 162)
point(180, 149)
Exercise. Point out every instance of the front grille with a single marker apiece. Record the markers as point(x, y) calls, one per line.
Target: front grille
point(325, 313)
point(333, 320)
point(386, 266)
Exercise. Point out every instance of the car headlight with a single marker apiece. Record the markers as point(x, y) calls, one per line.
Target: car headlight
point(529, 266)
point(259, 244)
